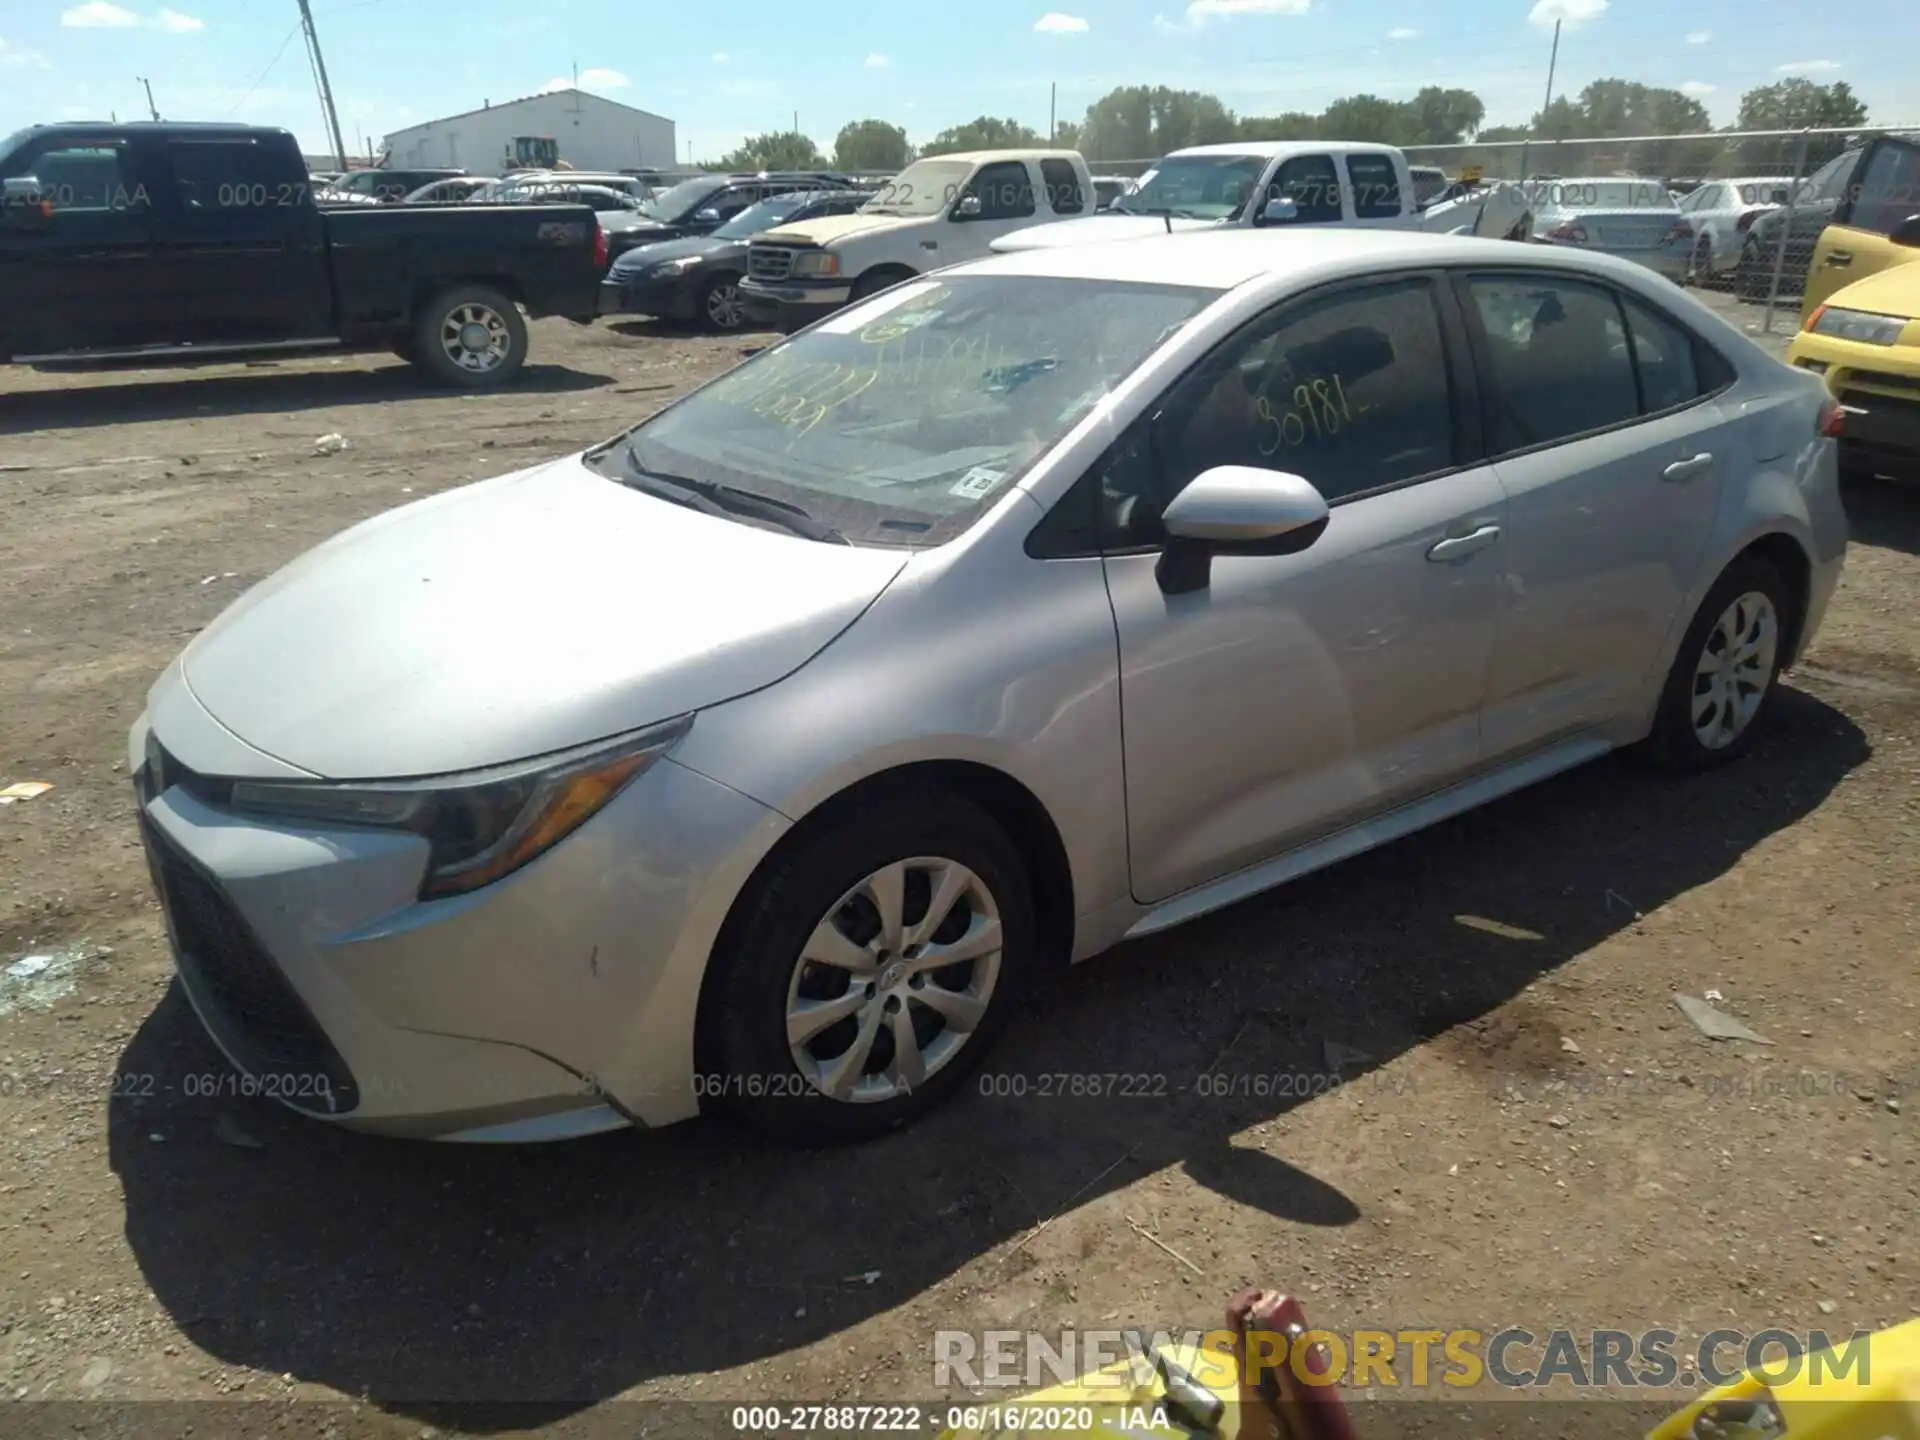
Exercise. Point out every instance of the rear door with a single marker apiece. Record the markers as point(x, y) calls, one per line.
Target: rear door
point(1605, 430)
point(241, 256)
point(1885, 192)
point(1374, 183)
point(76, 269)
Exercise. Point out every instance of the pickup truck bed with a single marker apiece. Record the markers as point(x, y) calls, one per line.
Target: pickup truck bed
point(188, 243)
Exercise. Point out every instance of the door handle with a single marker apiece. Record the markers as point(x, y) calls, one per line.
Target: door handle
point(1839, 259)
point(1459, 547)
point(1688, 468)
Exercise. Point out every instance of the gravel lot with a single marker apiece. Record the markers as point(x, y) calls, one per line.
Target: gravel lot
point(1531, 1134)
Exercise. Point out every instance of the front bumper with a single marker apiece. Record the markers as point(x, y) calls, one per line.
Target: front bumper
point(557, 1002)
point(1879, 385)
point(669, 298)
point(792, 306)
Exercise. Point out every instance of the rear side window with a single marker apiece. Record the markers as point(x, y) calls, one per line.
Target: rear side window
point(1558, 355)
point(1311, 182)
point(1063, 187)
point(1005, 190)
point(1675, 368)
point(1889, 191)
point(212, 177)
point(1376, 187)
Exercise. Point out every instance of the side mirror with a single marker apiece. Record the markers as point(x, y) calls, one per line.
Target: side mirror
point(1907, 232)
point(709, 216)
point(22, 206)
point(968, 208)
point(1236, 510)
point(1279, 210)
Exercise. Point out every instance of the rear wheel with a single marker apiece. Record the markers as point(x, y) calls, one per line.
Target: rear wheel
point(1700, 267)
point(1725, 671)
point(720, 308)
point(1750, 279)
point(871, 969)
point(471, 336)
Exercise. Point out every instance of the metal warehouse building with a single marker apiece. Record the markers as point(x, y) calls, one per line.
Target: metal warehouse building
point(593, 133)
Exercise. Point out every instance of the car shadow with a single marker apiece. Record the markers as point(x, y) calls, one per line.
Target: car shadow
point(493, 1289)
point(269, 387)
point(687, 329)
point(1884, 512)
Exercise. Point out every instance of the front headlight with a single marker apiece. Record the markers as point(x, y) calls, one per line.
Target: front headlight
point(1860, 325)
point(677, 267)
point(816, 262)
point(483, 825)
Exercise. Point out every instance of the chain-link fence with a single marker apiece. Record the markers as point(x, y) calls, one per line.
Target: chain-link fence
point(1754, 202)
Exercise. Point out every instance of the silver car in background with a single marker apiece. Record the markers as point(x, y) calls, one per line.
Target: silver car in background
point(1721, 212)
point(765, 756)
point(1637, 220)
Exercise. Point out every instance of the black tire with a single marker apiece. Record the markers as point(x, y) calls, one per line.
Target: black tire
point(1855, 468)
point(1674, 743)
point(403, 349)
point(755, 1074)
point(495, 312)
point(874, 281)
point(1700, 267)
point(1749, 281)
point(714, 289)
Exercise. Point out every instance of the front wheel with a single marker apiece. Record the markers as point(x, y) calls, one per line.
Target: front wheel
point(471, 336)
point(871, 970)
point(1749, 279)
point(874, 281)
point(1700, 267)
point(1726, 670)
point(720, 309)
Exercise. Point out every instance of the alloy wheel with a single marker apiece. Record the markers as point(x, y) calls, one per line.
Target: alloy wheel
point(476, 338)
point(723, 306)
point(1734, 670)
point(894, 980)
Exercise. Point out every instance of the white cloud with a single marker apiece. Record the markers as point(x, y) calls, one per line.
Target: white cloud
point(1571, 13)
point(719, 57)
point(597, 78)
point(14, 58)
point(1402, 32)
point(1201, 11)
point(879, 62)
point(1697, 88)
point(1806, 67)
point(1058, 22)
point(98, 15)
point(1699, 37)
point(178, 23)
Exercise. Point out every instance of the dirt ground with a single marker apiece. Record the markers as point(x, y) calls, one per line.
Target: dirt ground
point(1531, 1133)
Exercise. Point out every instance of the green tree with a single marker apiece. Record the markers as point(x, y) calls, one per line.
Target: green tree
point(983, 133)
point(1440, 116)
point(776, 150)
point(1140, 122)
point(1066, 135)
point(871, 145)
point(1797, 104)
point(1364, 117)
point(1290, 125)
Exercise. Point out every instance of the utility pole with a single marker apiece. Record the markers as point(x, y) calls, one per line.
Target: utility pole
point(796, 122)
point(326, 90)
point(1553, 60)
point(152, 109)
point(1053, 113)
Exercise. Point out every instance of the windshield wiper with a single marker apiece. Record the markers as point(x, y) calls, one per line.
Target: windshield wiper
point(713, 498)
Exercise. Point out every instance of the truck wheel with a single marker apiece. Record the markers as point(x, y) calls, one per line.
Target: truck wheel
point(471, 336)
point(874, 281)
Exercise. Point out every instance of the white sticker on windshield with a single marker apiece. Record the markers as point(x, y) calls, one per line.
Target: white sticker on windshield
point(977, 482)
point(857, 317)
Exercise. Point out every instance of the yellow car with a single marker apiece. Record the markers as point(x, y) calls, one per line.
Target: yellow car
point(1865, 339)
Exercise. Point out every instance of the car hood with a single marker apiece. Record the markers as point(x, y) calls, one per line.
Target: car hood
point(1094, 228)
point(643, 257)
point(829, 228)
point(518, 616)
point(1893, 291)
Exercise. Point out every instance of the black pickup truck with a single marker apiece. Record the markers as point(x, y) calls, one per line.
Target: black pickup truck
point(183, 243)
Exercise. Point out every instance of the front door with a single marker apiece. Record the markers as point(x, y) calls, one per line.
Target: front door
point(1603, 427)
point(76, 257)
point(1293, 695)
point(1005, 193)
point(1884, 195)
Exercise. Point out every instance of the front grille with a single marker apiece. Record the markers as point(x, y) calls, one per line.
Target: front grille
point(245, 999)
point(1886, 380)
point(770, 262)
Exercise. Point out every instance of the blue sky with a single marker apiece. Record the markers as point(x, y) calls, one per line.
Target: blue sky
point(724, 70)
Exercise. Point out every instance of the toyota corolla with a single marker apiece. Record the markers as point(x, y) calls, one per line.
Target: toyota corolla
point(764, 756)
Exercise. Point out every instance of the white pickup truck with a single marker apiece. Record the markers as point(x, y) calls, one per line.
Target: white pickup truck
point(938, 211)
point(1293, 182)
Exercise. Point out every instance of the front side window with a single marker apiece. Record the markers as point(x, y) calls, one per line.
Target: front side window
point(1064, 195)
point(89, 177)
point(1376, 186)
point(900, 419)
point(1196, 187)
point(1351, 392)
point(1311, 182)
point(1889, 192)
point(1558, 358)
point(1005, 191)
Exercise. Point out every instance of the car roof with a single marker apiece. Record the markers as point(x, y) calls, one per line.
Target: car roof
point(1272, 149)
point(1011, 152)
point(1224, 259)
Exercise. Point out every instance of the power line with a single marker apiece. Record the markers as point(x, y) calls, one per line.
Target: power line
point(261, 77)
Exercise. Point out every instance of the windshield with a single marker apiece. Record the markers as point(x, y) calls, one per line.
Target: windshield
point(1196, 187)
point(687, 196)
point(764, 216)
point(925, 187)
point(899, 420)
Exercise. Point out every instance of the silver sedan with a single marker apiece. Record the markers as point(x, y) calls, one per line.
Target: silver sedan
point(764, 756)
point(1638, 220)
